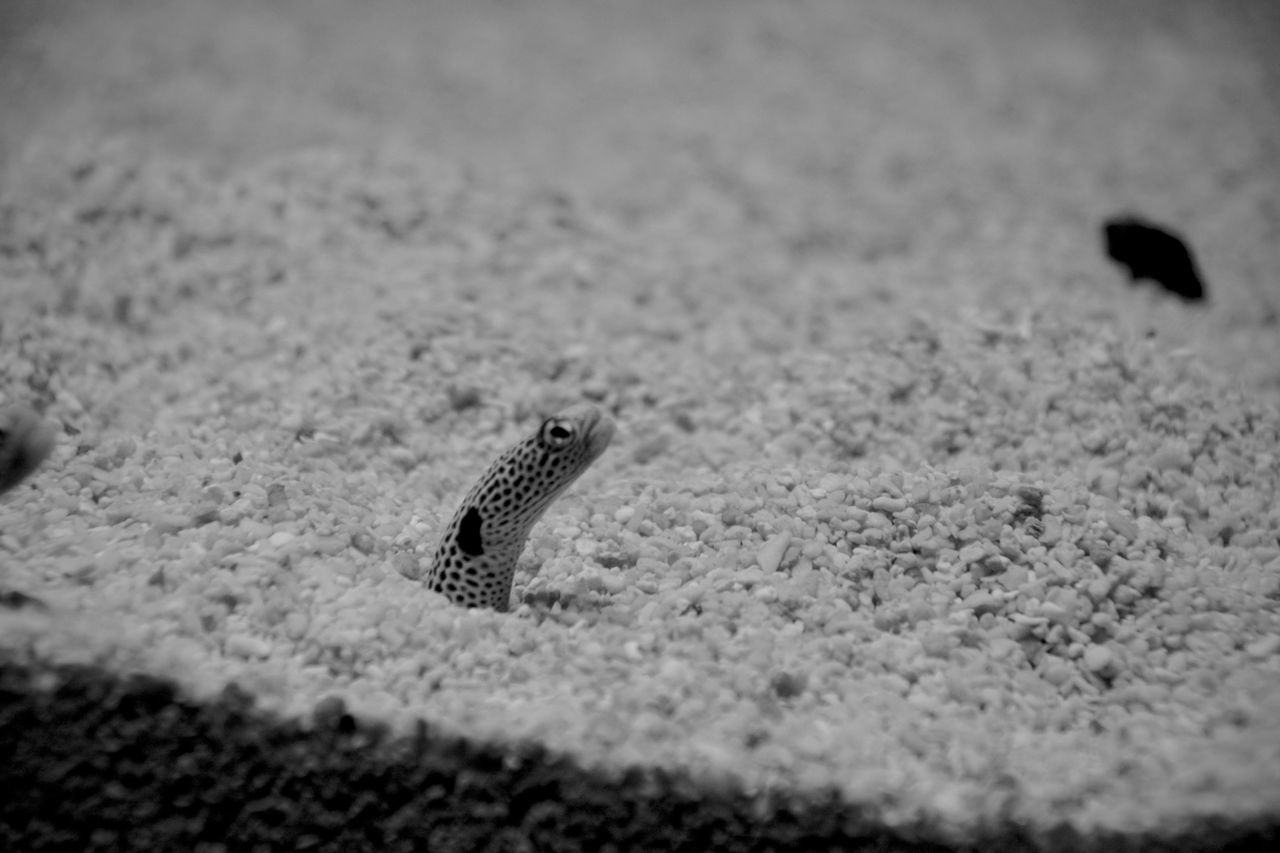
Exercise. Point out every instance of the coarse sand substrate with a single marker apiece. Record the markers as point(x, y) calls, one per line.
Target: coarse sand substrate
point(922, 528)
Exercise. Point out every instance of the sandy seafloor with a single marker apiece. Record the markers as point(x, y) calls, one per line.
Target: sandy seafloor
point(913, 495)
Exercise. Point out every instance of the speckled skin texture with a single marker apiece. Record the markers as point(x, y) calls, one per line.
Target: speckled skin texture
point(476, 558)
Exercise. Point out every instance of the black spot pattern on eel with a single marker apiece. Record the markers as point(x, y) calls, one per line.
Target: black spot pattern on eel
point(469, 540)
point(476, 559)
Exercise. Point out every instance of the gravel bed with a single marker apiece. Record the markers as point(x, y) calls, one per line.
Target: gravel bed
point(922, 527)
point(1014, 570)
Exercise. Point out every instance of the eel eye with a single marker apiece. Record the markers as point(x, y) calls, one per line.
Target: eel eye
point(557, 433)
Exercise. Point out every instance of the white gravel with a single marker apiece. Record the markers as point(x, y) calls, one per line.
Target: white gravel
point(1017, 563)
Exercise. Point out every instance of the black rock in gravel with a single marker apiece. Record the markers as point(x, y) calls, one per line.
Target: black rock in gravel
point(1151, 251)
point(25, 442)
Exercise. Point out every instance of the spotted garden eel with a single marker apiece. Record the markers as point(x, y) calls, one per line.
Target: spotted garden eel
point(25, 441)
point(476, 558)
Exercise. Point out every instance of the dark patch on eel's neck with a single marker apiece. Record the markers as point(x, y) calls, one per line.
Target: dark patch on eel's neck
point(469, 533)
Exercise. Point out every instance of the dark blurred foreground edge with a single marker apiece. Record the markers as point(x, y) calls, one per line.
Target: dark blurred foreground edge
point(95, 761)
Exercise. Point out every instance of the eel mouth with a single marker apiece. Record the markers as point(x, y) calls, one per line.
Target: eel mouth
point(598, 430)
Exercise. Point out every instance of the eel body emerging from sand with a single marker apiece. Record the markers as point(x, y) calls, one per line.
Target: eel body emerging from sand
point(476, 558)
point(26, 440)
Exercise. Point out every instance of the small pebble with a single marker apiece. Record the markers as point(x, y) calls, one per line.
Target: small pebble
point(889, 505)
point(1097, 659)
point(248, 646)
point(1126, 527)
point(1054, 613)
point(765, 593)
point(1056, 672)
point(1171, 457)
point(1264, 648)
point(1098, 589)
point(281, 538)
point(408, 565)
point(295, 626)
point(769, 555)
point(982, 602)
point(936, 644)
point(787, 685)
point(363, 541)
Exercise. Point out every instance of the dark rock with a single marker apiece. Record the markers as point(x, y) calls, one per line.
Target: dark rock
point(1152, 252)
point(25, 441)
